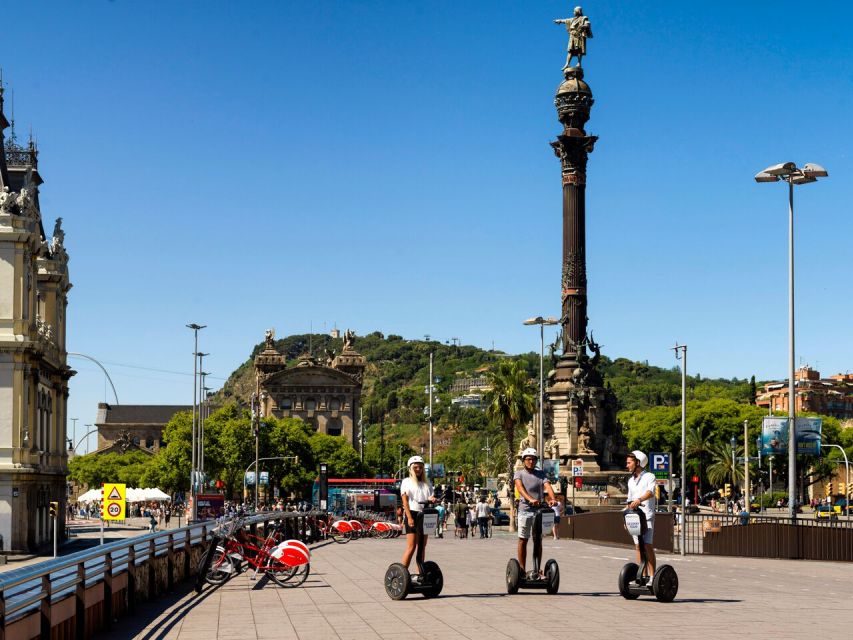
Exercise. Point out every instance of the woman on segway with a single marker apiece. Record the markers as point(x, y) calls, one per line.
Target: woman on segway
point(532, 485)
point(414, 490)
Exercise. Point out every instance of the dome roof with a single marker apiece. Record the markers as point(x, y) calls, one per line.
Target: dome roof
point(574, 84)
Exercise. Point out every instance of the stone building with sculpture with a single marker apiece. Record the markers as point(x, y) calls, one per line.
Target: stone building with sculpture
point(323, 392)
point(34, 373)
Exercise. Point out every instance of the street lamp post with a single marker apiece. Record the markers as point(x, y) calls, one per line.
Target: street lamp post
point(683, 349)
point(847, 475)
point(746, 463)
point(733, 442)
point(195, 329)
point(793, 175)
point(540, 440)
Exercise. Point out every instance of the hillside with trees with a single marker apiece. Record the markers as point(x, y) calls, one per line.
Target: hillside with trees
point(466, 440)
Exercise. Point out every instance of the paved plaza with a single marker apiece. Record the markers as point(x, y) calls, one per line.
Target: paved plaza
point(345, 598)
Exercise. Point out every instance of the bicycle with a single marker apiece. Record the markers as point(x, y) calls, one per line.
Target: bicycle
point(286, 562)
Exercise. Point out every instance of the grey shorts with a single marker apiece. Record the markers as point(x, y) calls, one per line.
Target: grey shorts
point(525, 524)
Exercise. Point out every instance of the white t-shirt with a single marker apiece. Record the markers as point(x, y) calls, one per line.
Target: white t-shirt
point(637, 487)
point(417, 491)
point(482, 510)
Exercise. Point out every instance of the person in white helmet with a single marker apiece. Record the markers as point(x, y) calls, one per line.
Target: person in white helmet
point(413, 491)
point(641, 494)
point(531, 484)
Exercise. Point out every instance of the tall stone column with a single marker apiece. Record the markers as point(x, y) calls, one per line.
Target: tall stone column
point(582, 411)
point(573, 101)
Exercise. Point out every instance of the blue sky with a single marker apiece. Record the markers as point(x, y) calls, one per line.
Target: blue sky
point(385, 165)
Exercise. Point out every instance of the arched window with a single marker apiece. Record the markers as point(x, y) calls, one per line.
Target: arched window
point(310, 404)
point(334, 404)
point(334, 427)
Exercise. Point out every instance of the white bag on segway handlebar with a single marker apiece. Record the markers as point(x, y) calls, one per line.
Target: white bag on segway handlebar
point(430, 523)
point(632, 522)
point(547, 521)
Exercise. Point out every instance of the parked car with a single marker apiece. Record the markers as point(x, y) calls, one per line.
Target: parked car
point(499, 518)
point(824, 511)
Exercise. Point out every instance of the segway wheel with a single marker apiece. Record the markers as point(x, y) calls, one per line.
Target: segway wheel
point(513, 575)
point(433, 577)
point(626, 577)
point(552, 575)
point(397, 581)
point(665, 584)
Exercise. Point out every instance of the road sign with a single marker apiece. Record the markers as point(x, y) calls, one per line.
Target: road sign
point(660, 463)
point(577, 468)
point(114, 501)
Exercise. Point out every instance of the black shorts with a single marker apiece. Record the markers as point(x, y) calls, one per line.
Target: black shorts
point(406, 526)
point(461, 522)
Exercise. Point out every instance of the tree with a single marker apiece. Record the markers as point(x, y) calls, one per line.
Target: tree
point(340, 456)
point(720, 471)
point(510, 404)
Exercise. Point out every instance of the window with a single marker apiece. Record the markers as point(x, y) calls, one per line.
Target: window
point(287, 404)
point(335, 404)
point(149, 442)
point(310, 405)
point(334, 427)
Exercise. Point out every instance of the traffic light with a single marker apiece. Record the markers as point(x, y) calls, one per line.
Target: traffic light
point(842, 488)
point(54, 509)
point(829, 489)
point(728, 491)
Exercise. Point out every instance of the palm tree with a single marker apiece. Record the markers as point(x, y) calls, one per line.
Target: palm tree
point(720, 471)
point(510, 403)
point(697, 449)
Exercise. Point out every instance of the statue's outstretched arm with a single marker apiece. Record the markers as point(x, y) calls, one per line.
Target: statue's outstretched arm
point(566, 21)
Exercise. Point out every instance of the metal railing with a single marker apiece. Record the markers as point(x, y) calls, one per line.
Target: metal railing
point(35, 588)
point(762, 536)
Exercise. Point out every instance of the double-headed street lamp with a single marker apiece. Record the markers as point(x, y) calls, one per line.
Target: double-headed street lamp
point(793, 175)
point(540, 441)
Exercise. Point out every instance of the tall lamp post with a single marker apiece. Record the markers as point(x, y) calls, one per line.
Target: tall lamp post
point(847, 472)
point(540, 440)
point(793, 175)
point(682, 348)
point(733, 442)
point(195, 329)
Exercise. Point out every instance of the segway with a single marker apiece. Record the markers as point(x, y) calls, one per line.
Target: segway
point(429, 581)
point(516, 579)
point(632, 582)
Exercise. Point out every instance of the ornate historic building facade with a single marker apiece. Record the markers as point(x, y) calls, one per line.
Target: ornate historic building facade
point(34, 373)
point(326, 394)
point(130, 426)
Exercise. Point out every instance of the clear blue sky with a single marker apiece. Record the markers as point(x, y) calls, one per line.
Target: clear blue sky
point(385, 165)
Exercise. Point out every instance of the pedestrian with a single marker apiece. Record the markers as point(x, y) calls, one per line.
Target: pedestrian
point(460, 513)
point(558, 509)
point(152, 523)
point(167, 514)
point(482, 511)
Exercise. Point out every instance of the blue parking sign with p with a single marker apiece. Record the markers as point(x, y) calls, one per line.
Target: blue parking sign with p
point(660, 463)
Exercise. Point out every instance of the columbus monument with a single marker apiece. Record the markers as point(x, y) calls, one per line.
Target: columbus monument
point(580, 411)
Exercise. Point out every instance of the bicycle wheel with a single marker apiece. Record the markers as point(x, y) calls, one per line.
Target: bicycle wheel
point(290, 576)
point(221, 567)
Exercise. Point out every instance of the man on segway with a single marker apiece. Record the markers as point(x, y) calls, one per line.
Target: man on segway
point(532, 485)
point(641, 493)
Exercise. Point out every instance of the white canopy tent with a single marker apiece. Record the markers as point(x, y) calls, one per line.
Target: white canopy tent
point(131, 495)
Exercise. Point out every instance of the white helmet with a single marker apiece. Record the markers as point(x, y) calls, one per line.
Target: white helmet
point(414, 460)
point(641, 458)
point(529, 452)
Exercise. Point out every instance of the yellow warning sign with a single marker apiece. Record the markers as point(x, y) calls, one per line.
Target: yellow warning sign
point(114, 504)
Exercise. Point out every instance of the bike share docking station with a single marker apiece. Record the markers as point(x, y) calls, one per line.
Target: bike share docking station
point(429, 581)
point(516, 579)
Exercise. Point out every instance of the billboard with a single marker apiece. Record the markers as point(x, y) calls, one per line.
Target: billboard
point(774, 435)
point(660, 466)
point(210, 506)
point(437, 470)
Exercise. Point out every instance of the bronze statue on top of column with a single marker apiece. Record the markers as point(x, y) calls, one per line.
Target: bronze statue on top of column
point(579, 30)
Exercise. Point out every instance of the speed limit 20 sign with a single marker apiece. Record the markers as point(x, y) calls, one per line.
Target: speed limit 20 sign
point(114, 501)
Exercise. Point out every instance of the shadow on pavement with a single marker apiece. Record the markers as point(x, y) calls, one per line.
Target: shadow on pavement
point(147, 612)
